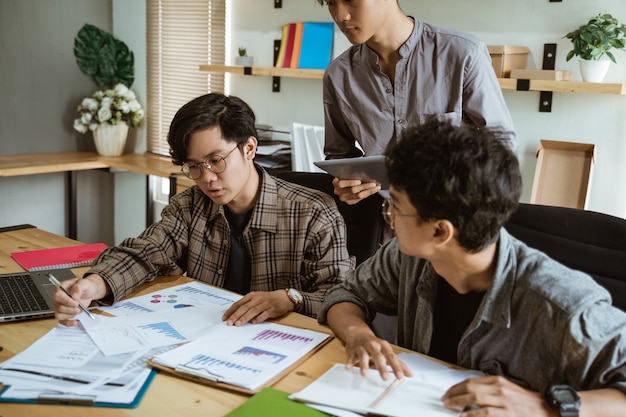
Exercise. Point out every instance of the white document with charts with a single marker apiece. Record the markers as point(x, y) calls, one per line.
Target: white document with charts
point(244, 358)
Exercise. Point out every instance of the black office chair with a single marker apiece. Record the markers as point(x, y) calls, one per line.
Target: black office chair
point(588, 241)
point(364, 222)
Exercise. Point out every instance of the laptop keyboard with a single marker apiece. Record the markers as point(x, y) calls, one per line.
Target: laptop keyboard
point(19, 294)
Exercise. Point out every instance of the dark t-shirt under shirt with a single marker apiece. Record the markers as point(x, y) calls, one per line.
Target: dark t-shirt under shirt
point(452, 316)
point(239, 264)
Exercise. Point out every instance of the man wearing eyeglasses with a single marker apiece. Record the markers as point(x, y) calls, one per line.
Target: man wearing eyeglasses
point(467, 292)
point(281, 245)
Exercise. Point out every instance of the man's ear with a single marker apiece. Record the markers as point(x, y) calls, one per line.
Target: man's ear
point(250, 148)
point(444, 231)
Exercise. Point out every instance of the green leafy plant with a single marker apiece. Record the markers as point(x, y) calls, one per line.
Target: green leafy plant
point(103, 57)
point(597, 38)
point(242, 51)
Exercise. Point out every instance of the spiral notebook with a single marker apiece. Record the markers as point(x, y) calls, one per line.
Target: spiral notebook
point(59, 258)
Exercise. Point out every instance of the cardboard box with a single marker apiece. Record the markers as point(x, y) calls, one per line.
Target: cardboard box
point(563, 174)
point(529, 74)
point(504, 58)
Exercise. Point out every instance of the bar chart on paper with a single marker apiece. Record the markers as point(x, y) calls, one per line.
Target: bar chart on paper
point(177, 297)
point(282, 339)
point(216, 367)
point(247, 356)
point(116, 339)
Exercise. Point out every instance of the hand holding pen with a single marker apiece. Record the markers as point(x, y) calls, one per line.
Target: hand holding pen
point(57, 284)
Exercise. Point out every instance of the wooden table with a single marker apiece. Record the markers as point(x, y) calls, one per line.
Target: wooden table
point(167, 395)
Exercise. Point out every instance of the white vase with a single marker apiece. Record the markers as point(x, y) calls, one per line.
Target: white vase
point(110, 139)
point(593, 71)
point(246, 61)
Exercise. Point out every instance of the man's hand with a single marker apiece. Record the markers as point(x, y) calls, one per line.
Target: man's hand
point(364, 349)
point(256, 307)
point(85, 291)
point(353, 191)
point(495, 396)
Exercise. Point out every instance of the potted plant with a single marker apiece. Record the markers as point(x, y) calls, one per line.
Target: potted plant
point(594, 41)
point(110, 111)
point(243, 58)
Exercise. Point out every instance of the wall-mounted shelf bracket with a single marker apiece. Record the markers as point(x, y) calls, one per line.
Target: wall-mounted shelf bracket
point(276, 84)
point(549, 58)
point(278, 4)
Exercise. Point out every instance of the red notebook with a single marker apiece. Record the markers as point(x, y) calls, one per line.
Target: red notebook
point(59, 258)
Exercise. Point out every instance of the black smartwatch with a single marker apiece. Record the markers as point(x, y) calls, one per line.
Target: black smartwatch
point(563, 398)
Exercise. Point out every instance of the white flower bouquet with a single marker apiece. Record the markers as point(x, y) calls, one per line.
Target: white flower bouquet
point(109, 106)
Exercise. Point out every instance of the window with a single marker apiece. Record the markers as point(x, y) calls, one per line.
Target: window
point(182, 34)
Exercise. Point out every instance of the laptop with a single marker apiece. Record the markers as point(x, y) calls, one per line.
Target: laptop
point(28, 295)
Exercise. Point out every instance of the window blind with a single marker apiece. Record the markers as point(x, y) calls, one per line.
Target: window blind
point(182, 34)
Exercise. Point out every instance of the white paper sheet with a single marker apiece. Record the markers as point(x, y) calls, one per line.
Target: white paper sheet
point(246, 356)
point(177, 297)
point(116, 335)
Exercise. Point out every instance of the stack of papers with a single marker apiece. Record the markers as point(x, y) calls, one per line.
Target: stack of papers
point(103, 362)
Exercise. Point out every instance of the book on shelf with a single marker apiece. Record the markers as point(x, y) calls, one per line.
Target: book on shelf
point(59, 258)
point(291, 32)
point(316, 47)
point(283, 44)
point(297, 43)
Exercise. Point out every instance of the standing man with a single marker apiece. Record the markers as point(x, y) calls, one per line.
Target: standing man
point(467, 292)
point(401, 72)
point(281, 245)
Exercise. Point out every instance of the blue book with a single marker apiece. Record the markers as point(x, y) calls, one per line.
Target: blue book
point(316, 49)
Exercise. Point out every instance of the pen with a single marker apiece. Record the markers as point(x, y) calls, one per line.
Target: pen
point(57, 284)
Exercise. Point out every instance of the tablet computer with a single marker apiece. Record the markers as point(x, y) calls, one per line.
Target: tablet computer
point(366, 169)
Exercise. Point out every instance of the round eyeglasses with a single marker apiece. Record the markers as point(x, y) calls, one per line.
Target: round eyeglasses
point(388, 215)
point(214, 163)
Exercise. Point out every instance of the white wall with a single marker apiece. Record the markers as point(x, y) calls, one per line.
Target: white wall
point(586, 118)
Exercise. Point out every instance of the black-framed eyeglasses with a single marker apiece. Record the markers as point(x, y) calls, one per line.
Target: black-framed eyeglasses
point(214, 163)
point(388, 214)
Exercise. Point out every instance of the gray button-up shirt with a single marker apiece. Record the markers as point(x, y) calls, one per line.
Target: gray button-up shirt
point(539, 323)
point(442, 73)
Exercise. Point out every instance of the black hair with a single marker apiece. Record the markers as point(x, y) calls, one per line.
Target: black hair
point(459, 173)
point(234, 117)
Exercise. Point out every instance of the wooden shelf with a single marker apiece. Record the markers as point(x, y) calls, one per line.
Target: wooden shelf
point(566, 86)
point(266, 71)
point(505, 83)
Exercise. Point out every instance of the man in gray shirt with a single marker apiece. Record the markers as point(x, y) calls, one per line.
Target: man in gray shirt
point(402, 72)
point(467, 292)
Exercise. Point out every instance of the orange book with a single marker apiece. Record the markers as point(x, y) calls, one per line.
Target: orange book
point(59, 258)
point(297, 43)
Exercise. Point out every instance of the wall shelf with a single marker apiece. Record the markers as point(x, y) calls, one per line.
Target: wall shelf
point(563, 86)
point(505, 83)
point(266, 71)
